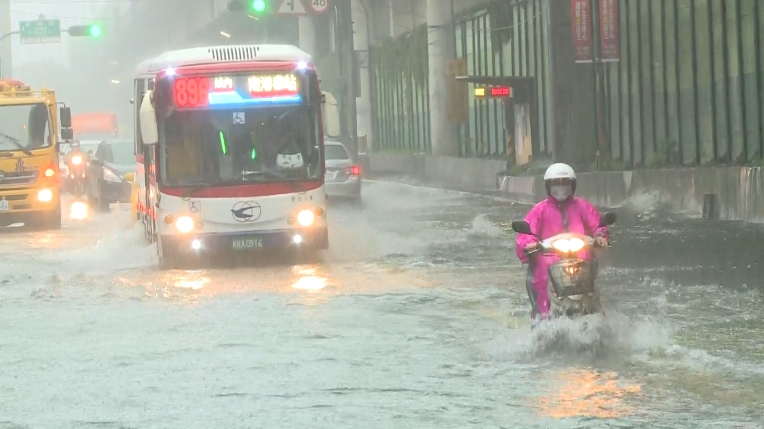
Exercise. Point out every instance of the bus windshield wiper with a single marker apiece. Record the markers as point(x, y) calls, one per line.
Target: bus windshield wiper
point(195, 188)
point(274, 175)
point(17, 143)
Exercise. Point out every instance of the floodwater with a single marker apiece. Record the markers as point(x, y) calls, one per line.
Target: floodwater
point(415, 318)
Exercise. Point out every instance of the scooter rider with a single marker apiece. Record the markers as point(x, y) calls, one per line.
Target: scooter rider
point(76, 162)
point(560, 212)
point(74, 152)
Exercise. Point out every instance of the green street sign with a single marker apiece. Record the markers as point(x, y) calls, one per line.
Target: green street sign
point(40, 31)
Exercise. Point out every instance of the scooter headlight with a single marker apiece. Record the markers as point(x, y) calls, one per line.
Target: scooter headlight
point(565, 246)
point(76, 160)
point(576, 244)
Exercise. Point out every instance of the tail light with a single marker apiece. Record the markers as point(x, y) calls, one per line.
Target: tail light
point(353, 171)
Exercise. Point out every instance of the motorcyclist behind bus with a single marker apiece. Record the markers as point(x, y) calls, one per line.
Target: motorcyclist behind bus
point(560, 212)
point(76, 162)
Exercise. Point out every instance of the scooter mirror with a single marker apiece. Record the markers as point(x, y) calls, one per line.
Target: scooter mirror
point(521, 227)
point(608, 219)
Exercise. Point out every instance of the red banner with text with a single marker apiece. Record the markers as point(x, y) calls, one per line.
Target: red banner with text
point(580, 11)
point(609, 39)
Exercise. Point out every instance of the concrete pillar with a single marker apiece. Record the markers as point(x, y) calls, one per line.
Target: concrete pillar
point(307, 34)
point(389, 12)
point(574, 131)
point(443, 134)
point(361, 32)
point(6, 52)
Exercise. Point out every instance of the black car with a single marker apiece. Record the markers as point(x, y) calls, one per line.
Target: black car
point(110, 173)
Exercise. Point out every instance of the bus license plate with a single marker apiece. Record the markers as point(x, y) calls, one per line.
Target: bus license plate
point(4, 206)
point(247, 243)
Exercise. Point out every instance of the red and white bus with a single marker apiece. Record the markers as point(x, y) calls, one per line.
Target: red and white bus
point(232, 139)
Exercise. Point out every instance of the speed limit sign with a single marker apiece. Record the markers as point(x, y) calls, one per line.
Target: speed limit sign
point(318, 6)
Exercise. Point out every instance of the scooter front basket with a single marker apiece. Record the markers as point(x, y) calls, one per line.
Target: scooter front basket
point(571, 277)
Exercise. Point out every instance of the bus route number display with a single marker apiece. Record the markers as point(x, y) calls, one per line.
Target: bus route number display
point(192, 91)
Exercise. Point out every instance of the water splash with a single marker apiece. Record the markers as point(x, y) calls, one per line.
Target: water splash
point(482, 225)
point(594, 336)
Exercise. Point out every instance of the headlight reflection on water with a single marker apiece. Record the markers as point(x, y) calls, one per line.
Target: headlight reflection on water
point(191, 281)
point(78, 210)
point(308, 280)
point(585, 393)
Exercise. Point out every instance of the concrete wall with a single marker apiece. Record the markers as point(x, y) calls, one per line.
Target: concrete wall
point(458, 172)
point(739, 190)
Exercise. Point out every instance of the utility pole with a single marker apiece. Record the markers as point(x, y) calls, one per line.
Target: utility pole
point(5, 31)
point(343, 27)
point(2, 38)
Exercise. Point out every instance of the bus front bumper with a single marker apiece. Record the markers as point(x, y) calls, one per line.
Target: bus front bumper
point(296, 239)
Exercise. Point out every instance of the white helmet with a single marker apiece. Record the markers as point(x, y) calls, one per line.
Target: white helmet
point(559, 171)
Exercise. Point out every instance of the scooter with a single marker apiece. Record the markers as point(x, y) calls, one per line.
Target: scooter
point(571, 288)
point(76, 177)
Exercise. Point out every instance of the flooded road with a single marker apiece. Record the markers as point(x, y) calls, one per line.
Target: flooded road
point(415, 318)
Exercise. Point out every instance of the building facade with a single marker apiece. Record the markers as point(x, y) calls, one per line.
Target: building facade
point(687, 89)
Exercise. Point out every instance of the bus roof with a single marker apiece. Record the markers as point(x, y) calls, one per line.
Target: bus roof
point(221, 54)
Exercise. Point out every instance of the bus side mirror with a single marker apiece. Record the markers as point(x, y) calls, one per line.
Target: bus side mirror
point(67, 134)
point(65, 115)
point(148, 118)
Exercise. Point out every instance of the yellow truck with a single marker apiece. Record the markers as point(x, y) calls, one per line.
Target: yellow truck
point(30, 188)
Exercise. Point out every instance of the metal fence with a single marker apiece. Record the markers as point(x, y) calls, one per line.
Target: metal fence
point(500, 39)
point(688, 89)
point(504, 39)
point(400, 75)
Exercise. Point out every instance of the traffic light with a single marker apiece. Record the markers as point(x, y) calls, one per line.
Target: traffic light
point(93, 30)
point(254, 6)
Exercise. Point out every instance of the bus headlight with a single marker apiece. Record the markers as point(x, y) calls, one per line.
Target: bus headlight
point(306, 218)
point(184, 224)
point(45, 195)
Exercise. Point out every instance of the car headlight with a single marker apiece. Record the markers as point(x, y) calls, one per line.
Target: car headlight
point(44, 195)
point(109, 176)
point(76, 160)
point(565, 246)
point(184, 224)
point(306, 218)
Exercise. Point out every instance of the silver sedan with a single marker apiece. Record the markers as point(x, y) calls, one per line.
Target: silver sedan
point(343, 176)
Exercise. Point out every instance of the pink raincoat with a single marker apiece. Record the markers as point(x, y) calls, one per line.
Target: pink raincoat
point(546, 220)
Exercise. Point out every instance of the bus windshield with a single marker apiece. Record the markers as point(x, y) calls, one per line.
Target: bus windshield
point(238, 146)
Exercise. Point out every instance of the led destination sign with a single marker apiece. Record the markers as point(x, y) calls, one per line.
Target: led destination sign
point(203, 91)
point(493, 92)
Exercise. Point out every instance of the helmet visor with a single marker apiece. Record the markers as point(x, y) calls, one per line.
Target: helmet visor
point(559, 182)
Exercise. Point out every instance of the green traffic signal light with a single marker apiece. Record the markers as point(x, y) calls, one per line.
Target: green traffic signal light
point(95, 30)
point(258, 5)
